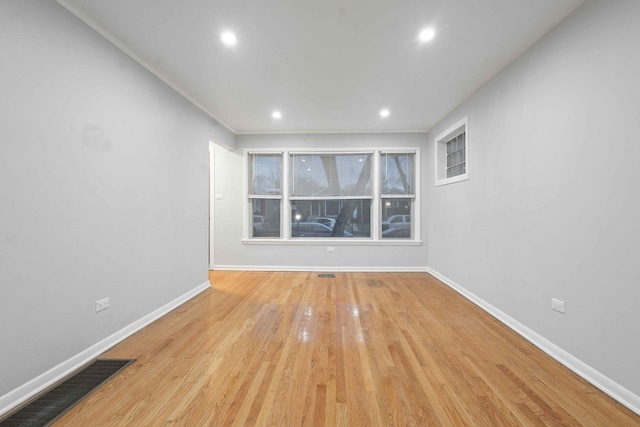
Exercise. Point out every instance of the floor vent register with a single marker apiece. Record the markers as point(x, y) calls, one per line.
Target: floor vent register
point(48, 407)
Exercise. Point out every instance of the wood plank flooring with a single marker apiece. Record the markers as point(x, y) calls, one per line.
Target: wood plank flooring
point(362, 349)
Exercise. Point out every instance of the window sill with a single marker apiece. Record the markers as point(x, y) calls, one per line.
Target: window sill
point(459, 178)
point(332, 242)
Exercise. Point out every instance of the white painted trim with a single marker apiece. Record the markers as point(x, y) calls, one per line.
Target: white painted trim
point(100, 29)
point(440, 159)
point(451, 130)
point(266, 197)
point(332, 241)
point(416, 223)
point(376, 202)
point(376, 197)
point(452, 180)
point(47, 379)
point(294, 198)
point(314, 268)
point(285, 205)
point(222, 144)
point(599, 380)
point(321, 151)
point(212, 200)
point(247, 205)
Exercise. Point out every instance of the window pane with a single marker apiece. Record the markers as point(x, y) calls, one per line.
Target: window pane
point(456, 156)
point(396, 218)
point(397, 173)
point(265, 173)
point(319, 218)
point(266, 217)
point(319, 175)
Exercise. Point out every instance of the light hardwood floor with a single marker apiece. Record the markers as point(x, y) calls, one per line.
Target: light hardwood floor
point(292, 349)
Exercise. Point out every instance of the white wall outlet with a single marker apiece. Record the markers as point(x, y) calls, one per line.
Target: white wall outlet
point(218, 196)
point(102, 304)
point(557, 305)
point(331, 249)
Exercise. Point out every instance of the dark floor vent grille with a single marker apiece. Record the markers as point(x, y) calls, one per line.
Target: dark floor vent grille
point(47, 408)
point(327, 276)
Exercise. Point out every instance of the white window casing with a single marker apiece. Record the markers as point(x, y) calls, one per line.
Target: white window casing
point(452, 154)
point(306, 178)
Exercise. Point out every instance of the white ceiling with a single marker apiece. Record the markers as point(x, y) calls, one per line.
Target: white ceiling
point(327, 65)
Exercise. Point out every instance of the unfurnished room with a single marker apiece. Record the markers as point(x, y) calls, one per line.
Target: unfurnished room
point(319, 213)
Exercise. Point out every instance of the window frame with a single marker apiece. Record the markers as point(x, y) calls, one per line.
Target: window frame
point(376, 199)
point(413, 196)
point(247, 212)
point(461, 126)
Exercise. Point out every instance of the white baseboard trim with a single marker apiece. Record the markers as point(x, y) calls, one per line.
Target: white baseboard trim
point(314, 268)
point(599, 380)
point(42, 382)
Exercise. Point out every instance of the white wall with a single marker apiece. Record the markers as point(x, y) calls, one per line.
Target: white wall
point(103, 187)
point(551, 208)
point(229, 250)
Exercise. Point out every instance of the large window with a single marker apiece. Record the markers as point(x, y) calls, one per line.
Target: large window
point(349, 196)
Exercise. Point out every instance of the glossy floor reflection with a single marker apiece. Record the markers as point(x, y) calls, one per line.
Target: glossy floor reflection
point(292, 349)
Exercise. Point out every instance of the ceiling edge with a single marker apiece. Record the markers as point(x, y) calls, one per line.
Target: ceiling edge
point(318, 132)
point(92, 22)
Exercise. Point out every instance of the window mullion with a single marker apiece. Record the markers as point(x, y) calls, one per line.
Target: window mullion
point(260, 196)
point(246, 205)
point(375, 205)
point(285, 226)
point(362, 197)
point(398, 196)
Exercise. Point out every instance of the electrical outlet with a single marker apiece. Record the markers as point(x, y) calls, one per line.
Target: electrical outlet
point(102, 304)
point(557, 305)
point(331, 249)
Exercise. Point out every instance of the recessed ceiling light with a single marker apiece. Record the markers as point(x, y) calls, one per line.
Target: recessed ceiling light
point(276, 115)
point(228, 38)
point(384, 113)
point(427, 34)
